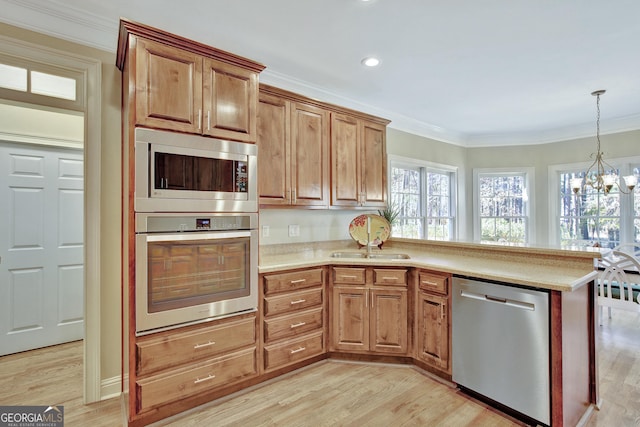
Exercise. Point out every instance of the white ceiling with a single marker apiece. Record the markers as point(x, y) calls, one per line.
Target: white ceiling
point(469, 72)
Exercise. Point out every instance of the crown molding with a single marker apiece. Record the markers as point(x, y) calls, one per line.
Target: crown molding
point(62, 21)
point(52, 18)
point(398, 121)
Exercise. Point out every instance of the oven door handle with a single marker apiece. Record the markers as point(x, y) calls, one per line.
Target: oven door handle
point(199, 235)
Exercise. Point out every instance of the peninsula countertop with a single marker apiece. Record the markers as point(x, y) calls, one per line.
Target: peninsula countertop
point(557, 269)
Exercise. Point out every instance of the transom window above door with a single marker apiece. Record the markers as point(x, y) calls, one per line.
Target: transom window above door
point(41, 84)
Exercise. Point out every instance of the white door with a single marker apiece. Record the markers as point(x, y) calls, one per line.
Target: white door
point(41, 246)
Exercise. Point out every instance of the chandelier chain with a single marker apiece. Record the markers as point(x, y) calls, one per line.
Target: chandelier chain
point(596, 175)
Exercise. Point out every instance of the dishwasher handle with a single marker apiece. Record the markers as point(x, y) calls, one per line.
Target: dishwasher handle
point(490, 298)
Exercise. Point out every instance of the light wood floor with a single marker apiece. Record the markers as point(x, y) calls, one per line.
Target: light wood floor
point(330, 393)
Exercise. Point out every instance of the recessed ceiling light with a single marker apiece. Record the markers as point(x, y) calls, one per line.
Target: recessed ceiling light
point(370, 61)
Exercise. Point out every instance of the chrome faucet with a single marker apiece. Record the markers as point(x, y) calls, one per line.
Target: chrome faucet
point(368, 236)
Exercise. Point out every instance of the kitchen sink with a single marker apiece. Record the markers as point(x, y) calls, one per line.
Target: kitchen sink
point(389, 256)
point(371, 255)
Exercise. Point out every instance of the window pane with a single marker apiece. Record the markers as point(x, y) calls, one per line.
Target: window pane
point(503, 208)
point(52, 85)
point(589, 216)
point(14, 78)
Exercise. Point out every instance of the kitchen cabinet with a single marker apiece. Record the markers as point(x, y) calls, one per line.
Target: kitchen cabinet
point(293, 154)
point(293, 317)
point(181, 85)
point(176, 84)
point(358, 162)
point(433, 337)
point(180, 363)
point(369, 310)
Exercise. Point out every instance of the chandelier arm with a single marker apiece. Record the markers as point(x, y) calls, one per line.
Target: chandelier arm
point(599, 165)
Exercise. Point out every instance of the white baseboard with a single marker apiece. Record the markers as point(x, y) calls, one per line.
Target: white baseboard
point(110, 388)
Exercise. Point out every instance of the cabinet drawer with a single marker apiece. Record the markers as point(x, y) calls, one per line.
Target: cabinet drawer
point(349, 275)
point(293, 324)
point(292, 281)
point(276, 356)
point(433, 282)
point(197, 378)
point(389, 277)
point(292, 301)
point(175, 348)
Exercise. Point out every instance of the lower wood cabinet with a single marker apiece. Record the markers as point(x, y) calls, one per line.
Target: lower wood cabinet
point(369, 310)
point(293, 316)
point(180, 363)
point(433, 320)
point(196, 378)
point(293, 350)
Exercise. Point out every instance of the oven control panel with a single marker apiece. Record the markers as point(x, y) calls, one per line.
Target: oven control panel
point(163, 223)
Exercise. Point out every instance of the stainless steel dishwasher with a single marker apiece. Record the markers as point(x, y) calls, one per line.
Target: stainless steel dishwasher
point(500, 344)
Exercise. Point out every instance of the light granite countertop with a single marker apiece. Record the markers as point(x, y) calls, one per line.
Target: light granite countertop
point(548, 268)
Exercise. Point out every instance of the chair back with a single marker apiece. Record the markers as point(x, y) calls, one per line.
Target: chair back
point(620, 273)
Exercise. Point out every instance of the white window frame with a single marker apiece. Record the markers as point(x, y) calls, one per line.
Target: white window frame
point(77, 104)
point(428, 166)
point(624, 164)
point(529, 174)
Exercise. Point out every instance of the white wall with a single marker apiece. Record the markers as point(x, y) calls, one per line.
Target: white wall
point(314, 225)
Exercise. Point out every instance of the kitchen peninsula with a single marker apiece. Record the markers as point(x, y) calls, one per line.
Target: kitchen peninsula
point(567, 275)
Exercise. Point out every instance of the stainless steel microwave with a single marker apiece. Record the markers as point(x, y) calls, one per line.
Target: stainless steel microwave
point(177, 172)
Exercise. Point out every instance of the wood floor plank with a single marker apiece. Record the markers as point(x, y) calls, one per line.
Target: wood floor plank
point(329, 393)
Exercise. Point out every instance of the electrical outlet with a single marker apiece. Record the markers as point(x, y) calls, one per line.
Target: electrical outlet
point(265, 231)
point(294, 230)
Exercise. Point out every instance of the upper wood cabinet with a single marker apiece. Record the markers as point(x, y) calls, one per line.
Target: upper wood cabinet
point(293, 153)
point(181, 85)
point(358, 162)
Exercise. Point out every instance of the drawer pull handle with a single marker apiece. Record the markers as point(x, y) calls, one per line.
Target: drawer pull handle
point(197, 346)
point(347, 277)
point(298, 350)
point(390, 279)
point(298, 281)
point(201, 380)
point(297, 325)
point(429, 283)
point(300, 301)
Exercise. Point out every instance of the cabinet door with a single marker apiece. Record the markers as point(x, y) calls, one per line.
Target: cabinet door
point(388, 317)
point(433, 330)
point(374, 164)
point(274, 168)
point(168, 87)
point(350, 319)
point(309, 155)
point(345, 161)
point(230, 101)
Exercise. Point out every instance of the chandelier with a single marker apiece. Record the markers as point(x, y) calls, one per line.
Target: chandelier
point(601, 176)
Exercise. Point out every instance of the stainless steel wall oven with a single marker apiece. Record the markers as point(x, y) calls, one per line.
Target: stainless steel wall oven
point(194, 267)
